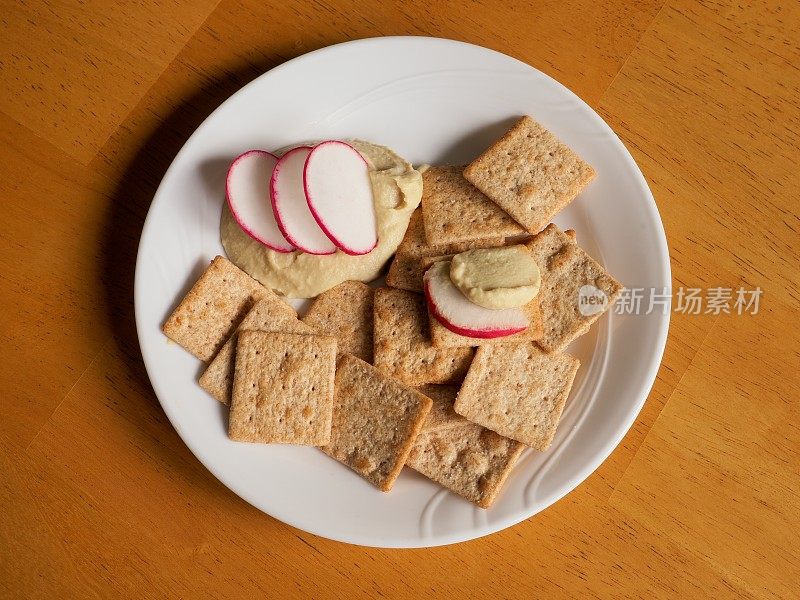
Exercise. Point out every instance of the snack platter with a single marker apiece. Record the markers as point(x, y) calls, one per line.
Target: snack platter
point(419, 324)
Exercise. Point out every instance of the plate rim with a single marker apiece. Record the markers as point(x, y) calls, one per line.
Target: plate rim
point(621, 428)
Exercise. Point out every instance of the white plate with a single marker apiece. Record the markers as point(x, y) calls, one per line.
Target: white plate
point(434, 101)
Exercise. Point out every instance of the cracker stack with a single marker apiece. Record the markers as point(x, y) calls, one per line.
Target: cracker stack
point(517, 386)
point(309, 382)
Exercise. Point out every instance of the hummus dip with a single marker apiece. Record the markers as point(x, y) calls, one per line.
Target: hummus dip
point(497, 278)
point(396, 191)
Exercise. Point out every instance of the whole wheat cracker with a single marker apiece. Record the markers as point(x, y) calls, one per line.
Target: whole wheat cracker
point(566, 268)
point(455, 211)
point(517, 391)
point(375, 421)
point(468, 459)
point(403, 349)
point(271, 315)
point(442, 337)
point(212, 309)
point(282, 388)
point(472, 461)
point(345, 312)
point(530, 174)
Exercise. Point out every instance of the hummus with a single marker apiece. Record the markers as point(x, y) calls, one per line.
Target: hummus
point(397, 191)
point(497, 278)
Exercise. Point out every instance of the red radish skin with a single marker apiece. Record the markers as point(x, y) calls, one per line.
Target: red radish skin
point(440, 291)
point(474, 333)
point(352, 178)
point(315, 240)
point(270, 234)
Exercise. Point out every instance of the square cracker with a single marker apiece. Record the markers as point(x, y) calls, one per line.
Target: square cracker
point(282, 388)
point(566, 268)
point(405, 272)
point(455, 211)
point(403, 349)
point(442, 337)
point(213, 308)
point(518, 391)
point(375, 421)
point(345, 312)
point(271, 315)
point(530, 174)
point(466, 458)
point(471, 461)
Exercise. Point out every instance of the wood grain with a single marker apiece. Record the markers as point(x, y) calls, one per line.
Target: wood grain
point(99, 496)
point(91, 61)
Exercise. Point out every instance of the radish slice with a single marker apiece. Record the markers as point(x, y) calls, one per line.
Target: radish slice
point(339, 194)
point(455, 311)
point(290, 207)
point(247, 192)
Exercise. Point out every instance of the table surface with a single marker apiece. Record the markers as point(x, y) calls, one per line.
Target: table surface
point(99, 496)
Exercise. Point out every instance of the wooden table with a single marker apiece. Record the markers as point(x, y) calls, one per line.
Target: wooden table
point(99, 496)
